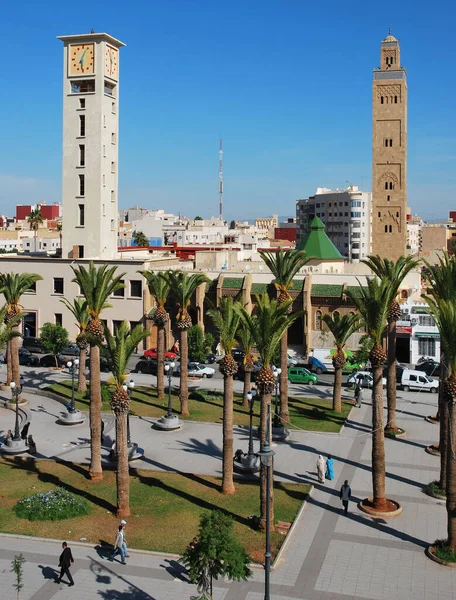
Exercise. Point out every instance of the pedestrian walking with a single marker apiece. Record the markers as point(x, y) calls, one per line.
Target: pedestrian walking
point(358, 393)
point(345, 495)
point(65, 562)
point(321, 468)
point(118, 546)
point(329, 468)
point(31, 444)
point(24, 432)
point(124, 545)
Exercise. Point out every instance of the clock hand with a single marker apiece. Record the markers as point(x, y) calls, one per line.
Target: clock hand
point(81, 60)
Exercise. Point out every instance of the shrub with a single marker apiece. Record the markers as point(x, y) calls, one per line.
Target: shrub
point(54, 505)
point(434, 488)
point(443, 551)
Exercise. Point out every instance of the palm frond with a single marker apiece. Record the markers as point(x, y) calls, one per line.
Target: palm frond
point(441, 278)
point(159, 286)
point(244, 336)
point(342, 327)
point(13, 285)
point(96, 285)
point(182, 285)
point(392, 272)
point(226, 319)
point(267, 325)
point(121, 346)
point(285, 265)
point(373, 303)
point(78, 309)
point(444, 313)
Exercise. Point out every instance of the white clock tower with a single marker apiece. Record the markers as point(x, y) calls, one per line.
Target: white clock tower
point(90, 145)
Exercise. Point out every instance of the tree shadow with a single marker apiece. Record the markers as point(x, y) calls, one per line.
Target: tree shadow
point(151, 480)
point(133, 593)
point(352, 463)
point(33, 466)
point(191, 476)
point(105, 575)
point(377, 524)
point(195, 446)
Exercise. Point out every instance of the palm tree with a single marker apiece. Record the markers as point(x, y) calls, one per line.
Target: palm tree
point(394, 273)
point(341, 329)
point(284, 266)
point(119, 348)
point(444, 314)
point(80, 313)
point(182, 287)
point(35, 219)
point(7, 333)
point(12, 286)
point(267, 326)
point(159, 290)
point(441, 282)
point(373, 303)
point(246, 341)
point(226, 320)
point(96, 285)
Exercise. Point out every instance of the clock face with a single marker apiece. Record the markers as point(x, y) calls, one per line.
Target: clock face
point(111, 56)
point(81, 59)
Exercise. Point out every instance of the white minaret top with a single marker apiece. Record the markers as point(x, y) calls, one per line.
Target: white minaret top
point(90, 145)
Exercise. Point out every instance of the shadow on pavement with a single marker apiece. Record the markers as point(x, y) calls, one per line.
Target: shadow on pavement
point(175, 569)
point(199, 447)
point(49, 572)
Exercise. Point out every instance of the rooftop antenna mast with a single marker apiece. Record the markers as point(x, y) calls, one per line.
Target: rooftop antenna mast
point(221, 181)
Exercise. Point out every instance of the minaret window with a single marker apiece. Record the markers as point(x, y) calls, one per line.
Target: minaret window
point(395, 99)
point(388, 197)
point(381, 100)
point(386, 228)
point(391, 229)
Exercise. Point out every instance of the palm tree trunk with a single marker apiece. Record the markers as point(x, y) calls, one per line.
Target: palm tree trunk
point(443, 424)
point(9, 364)
point(96, 471)
point(337, 390)
point(378, 441)
point(247, 386)
point(122, 473)
point(82, 382)
point(451, 475)
point(265, 401)
point(284, 411)
point(391, 424)
point(183, 392)
point(161, 363)
point(228, 451)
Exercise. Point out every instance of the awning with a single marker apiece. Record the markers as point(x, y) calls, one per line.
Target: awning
point(422, 334)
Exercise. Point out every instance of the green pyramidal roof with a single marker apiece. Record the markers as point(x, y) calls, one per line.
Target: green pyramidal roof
point(317, 244)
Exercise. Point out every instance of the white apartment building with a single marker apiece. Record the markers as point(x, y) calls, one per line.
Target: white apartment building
point(90, 145)
point(347, 216)
point(414, 233)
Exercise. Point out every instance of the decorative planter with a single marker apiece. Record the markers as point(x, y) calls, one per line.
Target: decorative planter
point(432, 450)
point(394, 508)
point(430, 554)
point(431, 419)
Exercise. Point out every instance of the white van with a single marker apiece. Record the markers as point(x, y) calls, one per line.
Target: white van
point(417, 380)
point(324, 356)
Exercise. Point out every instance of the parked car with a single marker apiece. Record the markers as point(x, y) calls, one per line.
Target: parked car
point(152, 353)
point(211, 359)
point(417, 380)
point(292, 362)
point(27, 359)
point(197, 370)
point(301, 375)
point(71, 350)
point(316, 365)
point(33, 344)
point(238, 355)
point(399, 370)
point(430, 367)
point(49, 360)
point(366, 377)
point(241, 372)
point(105, 365)
point(148, 366)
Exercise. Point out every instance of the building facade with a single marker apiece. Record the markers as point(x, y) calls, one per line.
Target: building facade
point(347, 216)
point(90, 145)
point(389, 153)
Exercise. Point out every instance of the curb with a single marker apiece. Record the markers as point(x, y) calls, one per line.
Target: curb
point(291, 531)
point(377, 513)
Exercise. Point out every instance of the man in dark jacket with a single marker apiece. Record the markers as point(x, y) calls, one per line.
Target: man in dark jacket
point(65, 562)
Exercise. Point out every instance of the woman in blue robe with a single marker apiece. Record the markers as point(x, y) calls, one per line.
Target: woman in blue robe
point(329, 468)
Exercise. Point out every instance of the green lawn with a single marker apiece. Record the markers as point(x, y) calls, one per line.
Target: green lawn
point(161, 503)
point(311, 414)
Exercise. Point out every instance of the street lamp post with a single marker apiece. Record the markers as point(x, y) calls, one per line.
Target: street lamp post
point(277, 372)
point(251, 399)
point(169, 422)
point(72, 366)
point(265, 455)
point(129, 389)
point(16, 392)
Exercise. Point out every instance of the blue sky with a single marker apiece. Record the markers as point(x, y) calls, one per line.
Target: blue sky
point(287, 84)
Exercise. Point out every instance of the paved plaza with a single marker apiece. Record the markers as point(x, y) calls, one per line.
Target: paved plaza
point(329, 556)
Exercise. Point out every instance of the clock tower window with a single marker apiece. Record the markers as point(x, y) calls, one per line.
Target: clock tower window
point(84, 86)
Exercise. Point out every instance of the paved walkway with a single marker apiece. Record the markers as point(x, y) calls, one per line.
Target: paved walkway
point(328, 557)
